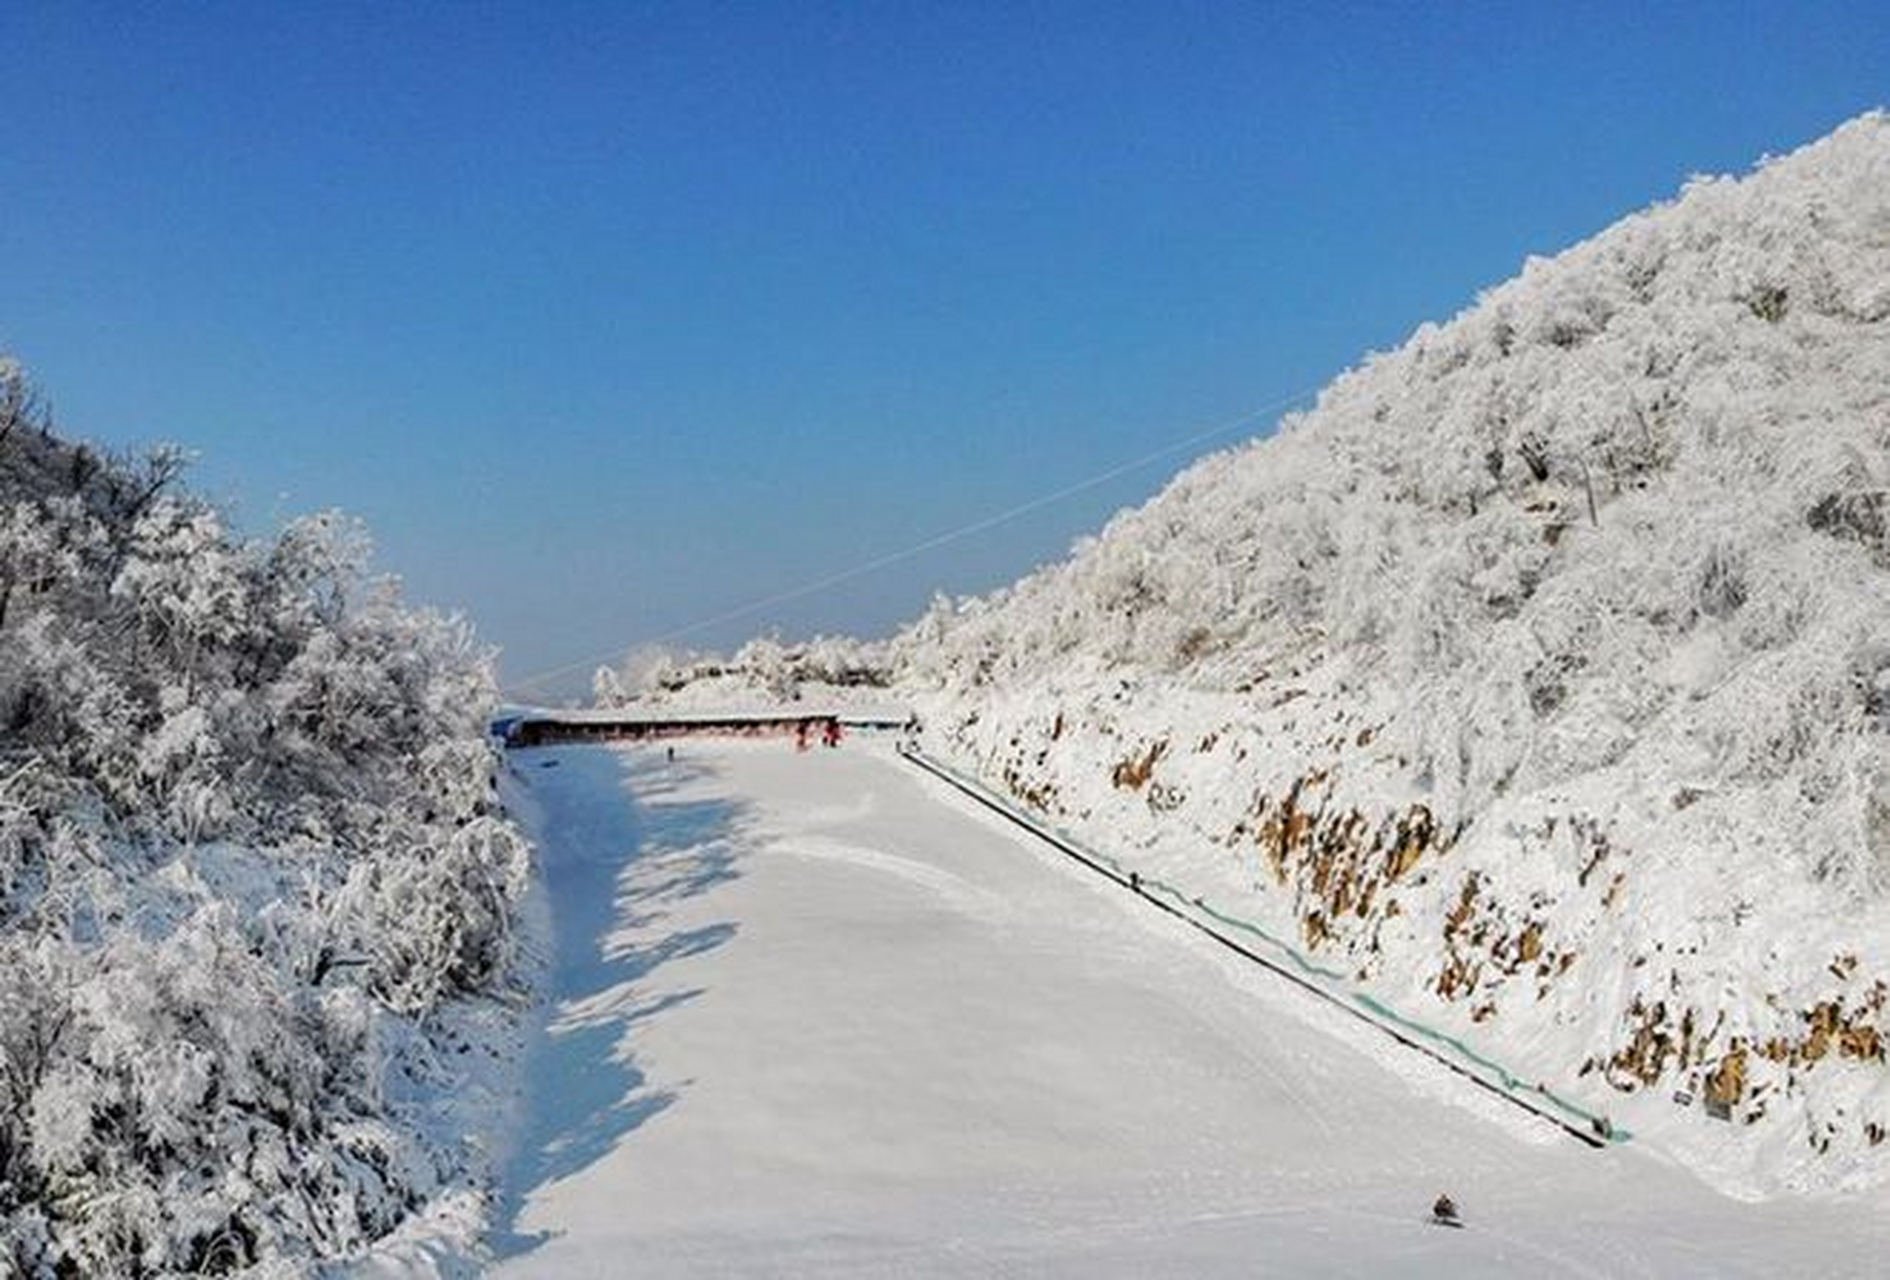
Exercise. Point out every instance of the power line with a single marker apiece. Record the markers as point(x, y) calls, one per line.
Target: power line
point(873, 565)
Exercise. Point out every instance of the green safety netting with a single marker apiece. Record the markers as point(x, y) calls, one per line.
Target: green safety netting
point(1328, 983)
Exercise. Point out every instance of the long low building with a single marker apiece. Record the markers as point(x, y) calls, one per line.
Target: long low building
point(626, 724)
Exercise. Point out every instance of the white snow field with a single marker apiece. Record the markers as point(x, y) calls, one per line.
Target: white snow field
point(815, 1015)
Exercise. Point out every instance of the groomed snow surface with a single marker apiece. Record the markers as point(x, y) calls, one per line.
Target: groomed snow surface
point(813, 1014)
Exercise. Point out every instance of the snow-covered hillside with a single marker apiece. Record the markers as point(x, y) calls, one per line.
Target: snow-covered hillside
point(249, 866)
point(1540, 674)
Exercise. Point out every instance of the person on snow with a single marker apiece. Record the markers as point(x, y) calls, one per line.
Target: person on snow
point(1445, 1212)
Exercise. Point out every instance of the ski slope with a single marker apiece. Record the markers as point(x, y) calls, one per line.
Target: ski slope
point(814, 1015)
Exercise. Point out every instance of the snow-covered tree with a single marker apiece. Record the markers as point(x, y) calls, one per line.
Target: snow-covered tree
point(248, 843)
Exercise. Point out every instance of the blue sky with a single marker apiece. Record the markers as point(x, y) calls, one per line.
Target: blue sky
point(609, 318)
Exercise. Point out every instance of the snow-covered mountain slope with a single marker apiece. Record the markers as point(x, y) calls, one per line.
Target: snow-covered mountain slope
point(255, 892)
point(1540, 674)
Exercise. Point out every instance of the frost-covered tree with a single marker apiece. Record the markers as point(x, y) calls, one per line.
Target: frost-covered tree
point(766, 668)
point(248, 843)
point(607, 688)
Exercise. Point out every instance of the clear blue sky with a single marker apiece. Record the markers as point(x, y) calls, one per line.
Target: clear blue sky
point(610, 317)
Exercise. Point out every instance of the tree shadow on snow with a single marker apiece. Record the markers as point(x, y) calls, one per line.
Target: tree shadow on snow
point(614, 869)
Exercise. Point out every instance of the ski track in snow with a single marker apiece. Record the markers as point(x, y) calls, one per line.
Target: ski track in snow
point(811, 1014)
point(963, 895)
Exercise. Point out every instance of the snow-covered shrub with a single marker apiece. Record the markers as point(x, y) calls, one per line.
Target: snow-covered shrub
point(247, 839)
point(432, 910)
